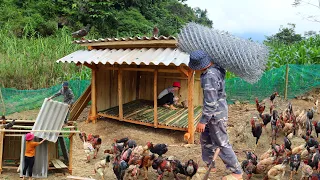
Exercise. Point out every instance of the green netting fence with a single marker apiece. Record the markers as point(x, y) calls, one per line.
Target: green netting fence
point(302, 78)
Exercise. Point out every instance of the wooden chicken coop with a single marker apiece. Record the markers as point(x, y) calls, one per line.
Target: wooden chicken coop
point(12, 149)
point(127, 76)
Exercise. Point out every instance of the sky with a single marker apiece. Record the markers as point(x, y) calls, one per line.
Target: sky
point(257, 18)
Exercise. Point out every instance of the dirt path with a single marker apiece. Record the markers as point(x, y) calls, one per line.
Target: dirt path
point(239, 131)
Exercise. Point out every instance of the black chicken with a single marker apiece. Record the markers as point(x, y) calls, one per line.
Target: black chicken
point(82, 32)
point(249, 168)
point(295, 160)
point(316, 127)
point(287, 143)
point(10, 124)
point(256, 130)
point(159, 149)
point(189, 169)
point(273, 96)
point(313, 160)
point(119, 167)
point(308, 127)
point(310, 114)
point(162, 165)
point(290, 109)
point(266, 118)
point(252, 157)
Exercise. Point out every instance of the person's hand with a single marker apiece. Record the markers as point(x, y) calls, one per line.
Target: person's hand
point(201, 127)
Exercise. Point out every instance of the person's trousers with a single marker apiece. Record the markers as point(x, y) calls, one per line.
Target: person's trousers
point(167, 99)
point(28, 164)
point(214, 136)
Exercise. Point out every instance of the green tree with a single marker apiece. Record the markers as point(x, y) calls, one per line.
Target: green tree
point(285, 35)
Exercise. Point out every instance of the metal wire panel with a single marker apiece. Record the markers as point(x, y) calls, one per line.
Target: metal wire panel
point(244, 58)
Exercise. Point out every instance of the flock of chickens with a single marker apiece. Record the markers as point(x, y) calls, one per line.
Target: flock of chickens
point(128, 159)
point(272, 164)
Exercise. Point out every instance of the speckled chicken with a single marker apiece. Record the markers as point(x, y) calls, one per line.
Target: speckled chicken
point(162, 165)
point(295, 160)
point(189, 169)
point(316, 127)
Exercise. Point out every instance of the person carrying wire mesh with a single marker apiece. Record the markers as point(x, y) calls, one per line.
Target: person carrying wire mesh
point(213, 122)
point(67, 95)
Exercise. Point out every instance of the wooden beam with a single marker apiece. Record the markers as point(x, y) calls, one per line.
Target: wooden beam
point(89, 65)
point(20, 135)
point(134, 44)
point(79, 178)
point(155, 97)
point(108, 116)
point(1, 149)
point(70, 154)
point(93, 96)
point(80, 104)
point(138, 84)
point(143, 69)
point(190, 106)
point(183, 70)
point(53, 131)
point(21, 121)
point(120, 94)
point(30, 127)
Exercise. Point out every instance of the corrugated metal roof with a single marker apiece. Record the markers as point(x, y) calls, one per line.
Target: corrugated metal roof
point(147, 56)
point(40, 168)
point(137, 38)
point(51, 117)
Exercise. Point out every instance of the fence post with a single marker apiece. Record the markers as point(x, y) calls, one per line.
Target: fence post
point(286, 83)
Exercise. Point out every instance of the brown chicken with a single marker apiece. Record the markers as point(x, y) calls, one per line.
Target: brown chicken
point(260, 106)
point(306, 170)
point(147, 163)
point(277, 172)
point(266, 154)
point(298, 150)
point(155, 32)
point(265, 165)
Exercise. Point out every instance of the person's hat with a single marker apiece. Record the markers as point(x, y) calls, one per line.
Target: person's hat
point(199, 60)
point(29, 136)
point(65, 84)
point(176, 84)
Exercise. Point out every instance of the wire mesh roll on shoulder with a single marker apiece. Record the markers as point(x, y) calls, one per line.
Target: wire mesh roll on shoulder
point(244, 58)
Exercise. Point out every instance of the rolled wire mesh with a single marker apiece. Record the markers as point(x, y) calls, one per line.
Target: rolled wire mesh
point(244, 58)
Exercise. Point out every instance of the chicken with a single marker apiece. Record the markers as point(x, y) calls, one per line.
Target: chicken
point(249, 168)
point(266, 155)
point(159, 149)
point(3, 118)
point(277, 172)
point(260, 107)
point(313, 160)
point(275, 123)
point(278, 150)
point(83, 136)
point(304, 154)
point(295, 160)
point(265, 165)
point(310, 114)
point(188, 169)
point(316, 127)
point(308, 127)
point(133, 172)
point(10, 124)
point(298, 150)
point(256, 129)
point(162, 165)
point(306, 170)
point(82, 32)
point(155, 32)
point(315, 107)
point(101, 165)
point(311, 143)
point(147, 163)
point(252, 157)
point(302, 118)
point(290, 109)
point(119, 167)
point(287, 128)
point(266, 118)
point(273, 96)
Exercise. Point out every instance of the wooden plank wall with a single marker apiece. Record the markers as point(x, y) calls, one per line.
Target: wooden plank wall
point(12, 148)
point(52, 151)
point(107, 87)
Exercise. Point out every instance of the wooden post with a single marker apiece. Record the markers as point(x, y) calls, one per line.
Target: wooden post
point(138, 84)
point(93, 96)
point(286, 82)
point(1, 149)
point(190, 107)
point(120, 94)
point(155, 97)
point(70, 154)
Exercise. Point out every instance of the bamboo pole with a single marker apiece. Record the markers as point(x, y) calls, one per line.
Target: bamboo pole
point(155, 97)
point(49, 131)
point(120, 94)
point(70, 154)
point(190, 107)
point(93, 96)
point(286, 82)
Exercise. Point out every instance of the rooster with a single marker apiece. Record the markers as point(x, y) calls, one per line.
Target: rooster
point(278, 171)
point(119, 167)
point(273, 96)
point(81, 33)
point(266, 118)
point(295, 160)
point(278, 150)
point(10, 124)
point(83, 137)
point(287, 143)
point(310, 114)
point(311, 143)
point(252, 157)
point(275, 123)
point(316, 127)
point(260, 107)
point(306, 170)
point(147, 163)
point(188, 169)
point(249, 168)
point(159, 149)
point(308, 127)
point(162, 165)
point(256, 130)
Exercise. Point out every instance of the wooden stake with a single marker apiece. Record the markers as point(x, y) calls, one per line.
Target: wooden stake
point(1, 149)
point(70, 154)
point(286, 82)
point(93, 96)
point(155, 97)
point(190, 106)
point(52, 131)
point(120, 94)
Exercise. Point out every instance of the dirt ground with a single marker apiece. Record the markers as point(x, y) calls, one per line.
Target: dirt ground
point(239, 130)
